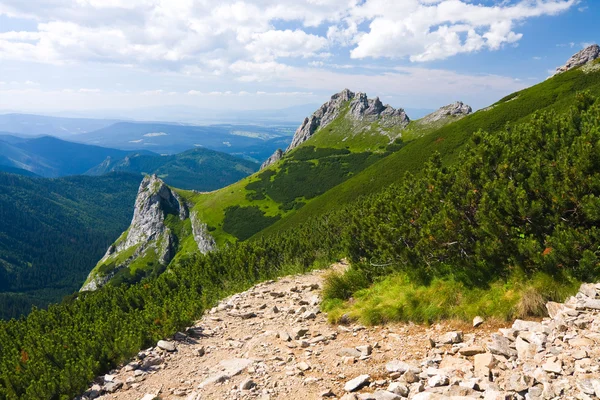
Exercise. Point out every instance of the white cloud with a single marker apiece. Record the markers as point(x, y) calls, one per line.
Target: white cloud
point(211, 37)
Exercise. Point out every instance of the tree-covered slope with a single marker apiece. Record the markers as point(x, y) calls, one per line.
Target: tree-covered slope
point(196, 169)
point(53, 231)
point(420, 143)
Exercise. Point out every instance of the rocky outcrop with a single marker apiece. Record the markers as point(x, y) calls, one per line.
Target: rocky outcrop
point(457, 109)
point(278, 155)
point(359, 108)
point(585, 56)
point(147, 232)
point(203, 238)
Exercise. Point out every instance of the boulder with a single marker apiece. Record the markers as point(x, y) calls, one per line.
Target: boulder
point(357, 383)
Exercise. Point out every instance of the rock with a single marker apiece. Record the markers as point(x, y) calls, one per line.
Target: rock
point(379, 395)
point(554, 366)
point(150, 397)
point(112, 387)
point(365, 350)
point(456, 109)
point(438, 380)
point(166, 346)
point(247, 384)
point(477, 321)
point(529, 326)
point(525, 350)
point(297, 333)
point(589, 290)
point(206, 243)
point(501, 346)
point(303, 366)
point(357, 383)
point(401, 367)
point(235, 366)
point(327, 393)
point(451, 338)
point(360, 108)
point(581, 342)
point(349, 396)
point(410, 377)
point(583, 57)
point(555, 310)
point(471, 350)
point(349, 352)
point(216, 378)
point(147, 231)
point(278, 155)
point(398, 388)
point(518, 383)
point(284, 336)
point(483, 363)
point(308, 315)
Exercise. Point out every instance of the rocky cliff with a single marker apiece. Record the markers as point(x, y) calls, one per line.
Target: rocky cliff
point(355, 107)
point(457, 109)
point(149, 238)
point(583, 57)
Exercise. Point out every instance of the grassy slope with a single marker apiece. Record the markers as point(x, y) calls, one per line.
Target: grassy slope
point(363, 137)
point(552, 94)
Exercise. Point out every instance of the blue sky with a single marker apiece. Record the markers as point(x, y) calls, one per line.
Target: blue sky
point(99, 56)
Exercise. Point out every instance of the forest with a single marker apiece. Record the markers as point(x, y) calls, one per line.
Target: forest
point(523, 201)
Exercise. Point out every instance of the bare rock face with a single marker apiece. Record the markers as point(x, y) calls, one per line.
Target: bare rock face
point(278, 155)
point(456, 109)
point(360, 108)
point(204, 240)
point(585, 56)
point(148, 231)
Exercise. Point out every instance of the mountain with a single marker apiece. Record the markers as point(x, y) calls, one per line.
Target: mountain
point(250, 141)
point(350, 133)
point(53, 231)
point(35, 125)
point(492, 214)
point(51, 157)
point(196, 169)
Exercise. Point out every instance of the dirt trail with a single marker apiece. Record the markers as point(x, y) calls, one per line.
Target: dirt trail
point(272, 342)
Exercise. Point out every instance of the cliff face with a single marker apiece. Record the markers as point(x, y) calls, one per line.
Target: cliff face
point(356, 107)
point(149, 236)
point(360, 108)
point(583, 57)
point(457, 109)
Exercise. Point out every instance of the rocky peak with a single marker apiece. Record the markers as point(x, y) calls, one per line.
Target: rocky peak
point(457, 109)
point(360, 108)
point(155, 200)
point(583, 57)
point(273, 159)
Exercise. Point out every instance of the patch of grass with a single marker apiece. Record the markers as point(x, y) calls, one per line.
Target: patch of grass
point(397, 298)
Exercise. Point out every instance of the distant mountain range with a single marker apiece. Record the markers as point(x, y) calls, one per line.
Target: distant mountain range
point(198, 169)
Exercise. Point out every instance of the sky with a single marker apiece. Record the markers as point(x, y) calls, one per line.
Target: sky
point(98, 56)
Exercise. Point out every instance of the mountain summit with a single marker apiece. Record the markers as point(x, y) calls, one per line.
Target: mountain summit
point(583, 57)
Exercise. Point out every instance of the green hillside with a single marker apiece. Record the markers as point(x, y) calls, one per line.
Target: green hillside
point(53, 231)
point(196, 169)
point(421, 142)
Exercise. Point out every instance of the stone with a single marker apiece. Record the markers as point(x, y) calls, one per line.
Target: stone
point(581, 342)
point(583, 57)
point(517, 383)
point(554, 366)
point(398, 388)
point(327, 393)
point(360, 108)
point(529, 326)
point(555, 310)
point(410, 377)
point(400, 366)
point(357, 383)
point(150, 397)
point(166, 346)
point(349, 396)
point(588, 290)
point(438, 380)
point(303, 366)
point(456, 109)
point(483, 363)
point(471, 350)
point(501, 346)
point(297, 333)
point(525, 350)
point(450, 338)
point(113, 386)
point(477, 321)
point(235, 366)
point(365, 350)
point(379, 395)
point(284, 336)
point(247, 384)
point(278, 155)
